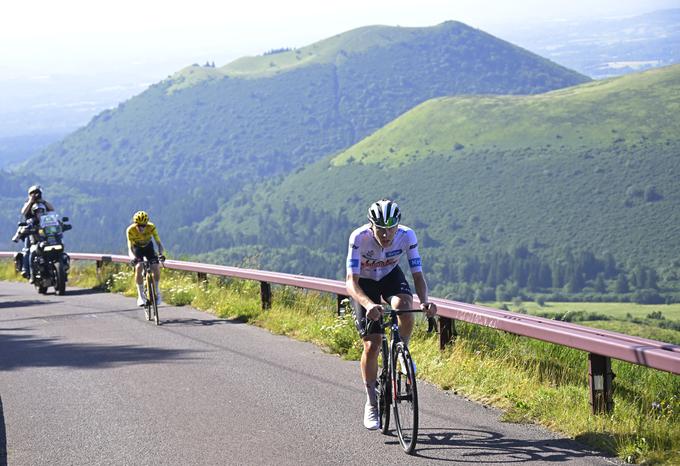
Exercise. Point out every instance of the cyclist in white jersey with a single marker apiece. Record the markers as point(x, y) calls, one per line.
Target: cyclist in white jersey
point(373, 275)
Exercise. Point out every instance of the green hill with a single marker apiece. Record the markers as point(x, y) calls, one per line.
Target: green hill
point(205, 134)
point(586, 171)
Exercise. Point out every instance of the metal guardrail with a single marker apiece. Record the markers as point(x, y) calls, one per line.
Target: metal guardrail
point(600, 344)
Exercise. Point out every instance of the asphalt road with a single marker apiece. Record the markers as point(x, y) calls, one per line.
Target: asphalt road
point(85, 380)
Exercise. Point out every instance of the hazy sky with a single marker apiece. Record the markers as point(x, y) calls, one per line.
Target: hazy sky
point(67, 36)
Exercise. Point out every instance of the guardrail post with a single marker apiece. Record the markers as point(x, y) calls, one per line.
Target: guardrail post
point(447, 331)
point(266, 295)
point(202, 277)
point(600, 381)
point(341, 306)
point(100, 264)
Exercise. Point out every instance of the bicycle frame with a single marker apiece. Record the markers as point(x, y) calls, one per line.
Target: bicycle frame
point(393, 392)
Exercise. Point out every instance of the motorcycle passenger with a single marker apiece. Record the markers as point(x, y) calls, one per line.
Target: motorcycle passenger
point(139, 236)
point(34, 197)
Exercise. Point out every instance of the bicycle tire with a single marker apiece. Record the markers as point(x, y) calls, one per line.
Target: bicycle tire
point(405, 399)
point(153, 302)
point(384, 389)
point(147, 304)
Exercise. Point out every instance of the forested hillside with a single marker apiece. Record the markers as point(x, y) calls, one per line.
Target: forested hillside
point(570, 191)
point(189, 143)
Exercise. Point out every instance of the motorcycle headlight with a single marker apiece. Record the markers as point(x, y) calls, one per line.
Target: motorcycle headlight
point(56, 247)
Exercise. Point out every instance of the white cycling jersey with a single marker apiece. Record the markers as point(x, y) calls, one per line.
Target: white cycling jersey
point(366, 258)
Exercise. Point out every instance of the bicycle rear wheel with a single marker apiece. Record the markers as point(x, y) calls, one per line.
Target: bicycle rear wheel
point(405, 399)
point(384, 388)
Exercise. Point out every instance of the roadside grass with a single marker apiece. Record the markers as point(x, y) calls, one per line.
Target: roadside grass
point(657, 322)
point(531, 381)
point(614, 310)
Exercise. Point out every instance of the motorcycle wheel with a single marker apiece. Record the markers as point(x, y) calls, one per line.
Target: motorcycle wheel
point(60, 275)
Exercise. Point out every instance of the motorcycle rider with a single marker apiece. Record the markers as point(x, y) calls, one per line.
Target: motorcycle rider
point(34, 197)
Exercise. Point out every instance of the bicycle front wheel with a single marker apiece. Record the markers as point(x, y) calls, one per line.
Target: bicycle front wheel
point(153, 299)
point(147, 293)
point(384, 388)
point(405, 398)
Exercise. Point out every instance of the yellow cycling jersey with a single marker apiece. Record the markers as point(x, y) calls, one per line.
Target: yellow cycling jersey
point(141, 239)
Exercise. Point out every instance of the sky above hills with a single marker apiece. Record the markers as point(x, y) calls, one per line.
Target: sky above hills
point(61, 62)
point(79, 36)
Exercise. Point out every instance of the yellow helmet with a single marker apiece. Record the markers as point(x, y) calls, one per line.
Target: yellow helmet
point(140, 218)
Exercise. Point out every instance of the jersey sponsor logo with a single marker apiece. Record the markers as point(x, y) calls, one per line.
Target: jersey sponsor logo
point(353, 263)
point(413, 246)
point(354, 246)
point(369, 253)
point(396, 252)
point(415, 262)
point(377, 264)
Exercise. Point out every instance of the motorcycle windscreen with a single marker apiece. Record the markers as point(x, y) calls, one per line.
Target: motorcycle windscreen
point(50, 224)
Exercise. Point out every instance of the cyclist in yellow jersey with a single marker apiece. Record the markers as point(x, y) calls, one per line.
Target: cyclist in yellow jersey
point(139, 242)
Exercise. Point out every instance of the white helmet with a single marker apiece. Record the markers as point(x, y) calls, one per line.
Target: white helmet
point(34, 188)
point(384, 213)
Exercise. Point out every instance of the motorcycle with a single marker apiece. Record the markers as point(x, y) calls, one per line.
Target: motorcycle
point(49, 262)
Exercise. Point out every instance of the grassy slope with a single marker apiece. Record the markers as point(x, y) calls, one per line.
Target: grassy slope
point(586, 189)
point(625, 111)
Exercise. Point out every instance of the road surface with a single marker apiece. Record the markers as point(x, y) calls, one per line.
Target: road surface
point(85, 380)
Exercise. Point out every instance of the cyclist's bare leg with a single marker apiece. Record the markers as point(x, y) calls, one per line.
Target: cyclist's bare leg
point(406, 321)
point(138, 273)
point(369, 363)
point(156, 271)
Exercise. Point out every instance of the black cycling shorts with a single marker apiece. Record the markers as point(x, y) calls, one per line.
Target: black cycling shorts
point(392, 284)
point(146, 251)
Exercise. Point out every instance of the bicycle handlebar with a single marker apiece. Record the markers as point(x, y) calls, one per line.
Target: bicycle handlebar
point(431, 321)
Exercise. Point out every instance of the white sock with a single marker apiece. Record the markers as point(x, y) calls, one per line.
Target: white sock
point(140, 291)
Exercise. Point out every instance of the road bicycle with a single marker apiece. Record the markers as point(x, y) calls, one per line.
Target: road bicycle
point(151, 304)
point(397, 381)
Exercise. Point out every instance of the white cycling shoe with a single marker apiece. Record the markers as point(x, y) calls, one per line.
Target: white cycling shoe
point(371, 417)
point(141, 300)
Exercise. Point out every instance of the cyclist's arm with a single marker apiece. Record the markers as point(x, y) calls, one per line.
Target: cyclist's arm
point(355, 291)
point(373, 310)
point(422, 292)
point(48, 206)
point(130, 244)
point(158, 240)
